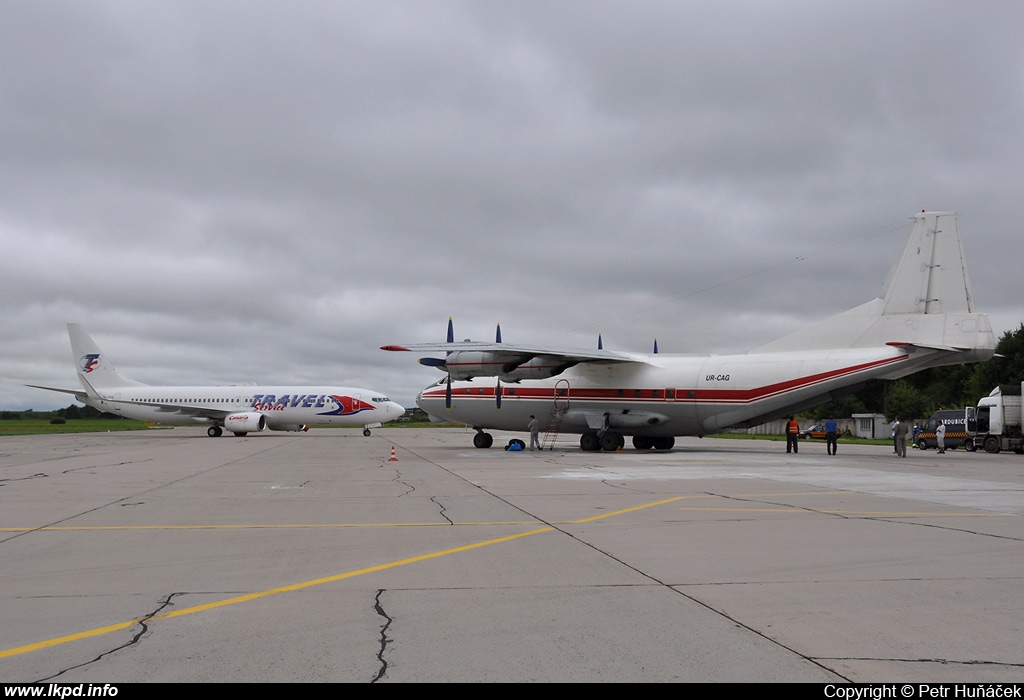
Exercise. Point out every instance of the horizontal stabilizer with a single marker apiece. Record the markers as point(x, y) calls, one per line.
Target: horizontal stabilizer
point(926, 303)
point(73, 392)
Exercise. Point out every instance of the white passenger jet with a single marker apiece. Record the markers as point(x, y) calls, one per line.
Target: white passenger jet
point(239, 409)
point(924, 318)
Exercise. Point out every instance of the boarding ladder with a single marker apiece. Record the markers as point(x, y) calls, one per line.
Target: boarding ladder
point(559, 407)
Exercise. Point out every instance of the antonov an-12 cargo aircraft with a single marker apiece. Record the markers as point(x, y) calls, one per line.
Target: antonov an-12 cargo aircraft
point(925, 317)
point(238, 409)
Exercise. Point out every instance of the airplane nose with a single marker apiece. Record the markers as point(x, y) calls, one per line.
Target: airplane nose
point(397, 409)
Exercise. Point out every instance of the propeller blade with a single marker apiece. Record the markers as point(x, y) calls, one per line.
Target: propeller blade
point(448, 394)
point(451, 331)
point(497, 334)
point(600, 344)
point(497, 393)
point(655, 346)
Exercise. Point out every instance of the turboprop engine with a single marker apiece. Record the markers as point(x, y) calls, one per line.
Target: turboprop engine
point(466, 364)
point(507, 366)
point(537, 367)
point(245, 422)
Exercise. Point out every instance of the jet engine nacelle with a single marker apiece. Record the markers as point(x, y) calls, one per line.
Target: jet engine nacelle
point(539, 367)
point(245, 422)
point(466, 364)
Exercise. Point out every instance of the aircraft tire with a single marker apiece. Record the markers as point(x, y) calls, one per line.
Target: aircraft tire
point(589, 442)
point(366, 432)
point(483, 440)
point(642, 442)
point(611, 441)
point(214, 431)
point(664, 443)
point(241, 434)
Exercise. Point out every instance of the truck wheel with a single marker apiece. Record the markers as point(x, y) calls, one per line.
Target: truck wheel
point(969, 445)
point(922, 444)
point(992, 445)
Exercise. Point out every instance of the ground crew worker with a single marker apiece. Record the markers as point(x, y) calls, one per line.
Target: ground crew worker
point(792, 435)
point(534, 434)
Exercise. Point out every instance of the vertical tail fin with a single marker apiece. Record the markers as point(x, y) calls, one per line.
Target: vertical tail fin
point(930, 276)
point(94, 371)
point(926, 302)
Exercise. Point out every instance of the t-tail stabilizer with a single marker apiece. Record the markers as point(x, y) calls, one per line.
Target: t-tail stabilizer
point(926, 304)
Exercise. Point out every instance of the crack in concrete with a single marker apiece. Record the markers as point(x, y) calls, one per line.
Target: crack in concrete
point(398, 480)
point(978, 662)
point(443, 511)
point(144, 628)
point(101, 466)
point(876, 518)
point(384, 639)
point(39, 475)
point(621, 485)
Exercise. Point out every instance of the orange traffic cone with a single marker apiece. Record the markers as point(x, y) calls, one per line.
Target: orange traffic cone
point(393, 457)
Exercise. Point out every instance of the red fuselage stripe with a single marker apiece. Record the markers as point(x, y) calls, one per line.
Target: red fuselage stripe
point(682, 395)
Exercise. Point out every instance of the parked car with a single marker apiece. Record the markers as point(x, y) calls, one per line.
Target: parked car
point(816, 431)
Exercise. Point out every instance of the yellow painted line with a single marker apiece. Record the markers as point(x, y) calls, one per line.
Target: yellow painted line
point(628, 510)
point(283, 526)
point(56, 641)
point(64, 640)
point(348, 574)
point(300, 526)
point(818, 511)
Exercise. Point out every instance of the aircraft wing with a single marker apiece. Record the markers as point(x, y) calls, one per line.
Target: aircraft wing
point(574, 354)
point(510, 362)
point(186, 410)
point(181, 409)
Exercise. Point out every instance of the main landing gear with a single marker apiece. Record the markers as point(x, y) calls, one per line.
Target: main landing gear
point(482, 440)
point(215, 431)
point(610, 441)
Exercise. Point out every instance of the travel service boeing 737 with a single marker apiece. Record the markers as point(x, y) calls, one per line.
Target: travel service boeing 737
point(925, 317)
point(238, 409)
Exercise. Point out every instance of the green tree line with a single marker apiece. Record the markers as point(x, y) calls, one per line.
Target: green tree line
point(72, 412)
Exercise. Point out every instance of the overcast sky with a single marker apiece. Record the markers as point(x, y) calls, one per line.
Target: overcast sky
point(235, 191)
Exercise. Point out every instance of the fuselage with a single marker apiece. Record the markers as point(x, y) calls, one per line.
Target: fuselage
point(673, 395)
point(283, 407)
